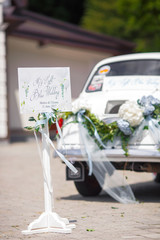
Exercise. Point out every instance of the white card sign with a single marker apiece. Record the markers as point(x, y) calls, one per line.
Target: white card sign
point(44, 89)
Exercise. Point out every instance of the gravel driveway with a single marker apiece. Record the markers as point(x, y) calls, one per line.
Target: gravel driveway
point(21, 198)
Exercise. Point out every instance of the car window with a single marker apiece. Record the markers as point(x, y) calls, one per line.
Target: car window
point(123, 68)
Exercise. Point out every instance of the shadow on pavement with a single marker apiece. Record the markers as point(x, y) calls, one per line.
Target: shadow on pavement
point(101, 198)
point(147, 191)
point(144, 192)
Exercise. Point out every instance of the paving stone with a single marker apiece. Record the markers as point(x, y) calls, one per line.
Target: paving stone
point(22, 201)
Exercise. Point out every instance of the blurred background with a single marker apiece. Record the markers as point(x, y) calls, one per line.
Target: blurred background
point(67, 33)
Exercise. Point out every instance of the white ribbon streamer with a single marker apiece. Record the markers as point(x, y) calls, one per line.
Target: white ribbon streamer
point(44, 121)
point(106, 174)
point(61, 155)
point(40, 123)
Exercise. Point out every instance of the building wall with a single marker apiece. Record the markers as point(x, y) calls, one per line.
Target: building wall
point(27, 53)
point(3, 83)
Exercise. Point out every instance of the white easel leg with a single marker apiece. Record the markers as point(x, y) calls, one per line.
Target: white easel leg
point(48, 221)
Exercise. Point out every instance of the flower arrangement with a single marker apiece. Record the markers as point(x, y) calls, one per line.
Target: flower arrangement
point(42, 118)
point(132, 113)
point(80, 104)
point(131, 116)
point(151, 106)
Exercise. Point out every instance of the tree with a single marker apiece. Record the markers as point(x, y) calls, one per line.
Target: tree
point(134, 20)
point(69, 11)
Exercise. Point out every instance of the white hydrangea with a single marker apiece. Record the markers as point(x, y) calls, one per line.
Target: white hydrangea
point(80, 104)
point(131, 112)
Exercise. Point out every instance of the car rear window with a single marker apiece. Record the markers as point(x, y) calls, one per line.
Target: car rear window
point(123, 68)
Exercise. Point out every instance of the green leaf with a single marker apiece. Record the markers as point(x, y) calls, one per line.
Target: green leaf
point(122, 214)
point(145, 128)
point(50, 122)
point(126, 153)
point(15, 226)
point(37, 129)
point(114, 207)
point(90, 230)
point(29, 128)
point(22, 103)
point(31, 119)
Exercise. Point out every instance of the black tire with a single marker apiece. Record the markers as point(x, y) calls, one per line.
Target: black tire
point(157, 177)
point(90, 186)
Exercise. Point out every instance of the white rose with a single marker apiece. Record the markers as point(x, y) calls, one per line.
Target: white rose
point(131, 112)
point(80, 104)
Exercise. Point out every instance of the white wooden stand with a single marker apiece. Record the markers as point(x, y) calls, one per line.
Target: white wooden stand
point(48, 221)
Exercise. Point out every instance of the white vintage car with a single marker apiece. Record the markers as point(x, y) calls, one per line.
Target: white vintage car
point(111, 83)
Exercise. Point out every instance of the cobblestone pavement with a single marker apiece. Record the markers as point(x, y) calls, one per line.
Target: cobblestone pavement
point(21, 201)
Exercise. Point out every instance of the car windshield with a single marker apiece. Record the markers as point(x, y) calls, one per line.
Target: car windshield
point(123, 68)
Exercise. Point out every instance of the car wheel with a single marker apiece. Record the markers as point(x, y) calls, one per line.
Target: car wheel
point(90, 186)
point(157, 177)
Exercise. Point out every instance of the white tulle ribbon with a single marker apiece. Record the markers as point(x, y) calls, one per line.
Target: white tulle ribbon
point(106, 174)
point(81, 118)
point(62, 157)
point(138, 133)
point(153, 128)
point(39, 123)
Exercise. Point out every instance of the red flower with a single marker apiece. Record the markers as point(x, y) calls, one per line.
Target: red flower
point(60, 123)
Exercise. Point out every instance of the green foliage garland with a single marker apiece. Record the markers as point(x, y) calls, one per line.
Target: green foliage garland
point(107, 132)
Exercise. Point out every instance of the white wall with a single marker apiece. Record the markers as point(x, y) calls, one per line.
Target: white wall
point(3, 84)
point(27, 53)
